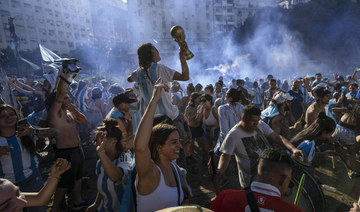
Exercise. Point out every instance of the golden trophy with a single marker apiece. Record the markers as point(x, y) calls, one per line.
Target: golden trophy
point(177, 32)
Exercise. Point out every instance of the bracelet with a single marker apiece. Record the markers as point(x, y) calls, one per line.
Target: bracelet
point(101, 152)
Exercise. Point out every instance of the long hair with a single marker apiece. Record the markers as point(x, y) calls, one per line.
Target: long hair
point(110, 126)
point(208, 97)
point(234, 95)
point(26, 141)
point(145, 55)
point(193, 96)
point(322, 124)
point(80, 87)
point(159, 135)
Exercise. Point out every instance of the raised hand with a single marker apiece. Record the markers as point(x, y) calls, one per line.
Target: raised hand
point(157, 89)
point(59, 167)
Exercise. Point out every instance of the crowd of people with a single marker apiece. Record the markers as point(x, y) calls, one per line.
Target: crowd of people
point(140, 134)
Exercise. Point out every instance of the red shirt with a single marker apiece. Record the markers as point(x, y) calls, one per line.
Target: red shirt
point(268, 200)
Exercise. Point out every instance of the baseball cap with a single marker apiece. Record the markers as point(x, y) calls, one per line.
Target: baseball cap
point(120, 98)
point(282, 97)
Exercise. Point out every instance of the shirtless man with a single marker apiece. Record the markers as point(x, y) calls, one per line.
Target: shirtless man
point(63, 116)
point(322, 97)
point(279, 121)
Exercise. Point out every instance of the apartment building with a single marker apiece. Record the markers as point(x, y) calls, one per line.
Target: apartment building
point(151, 20)
point(233, 13)
point(58, 24)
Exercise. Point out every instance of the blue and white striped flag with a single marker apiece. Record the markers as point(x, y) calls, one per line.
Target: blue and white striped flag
point(33, 65)
point(47, 55)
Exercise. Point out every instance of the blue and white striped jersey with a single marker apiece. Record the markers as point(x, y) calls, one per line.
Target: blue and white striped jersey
point(111, 192)
point(19, 164)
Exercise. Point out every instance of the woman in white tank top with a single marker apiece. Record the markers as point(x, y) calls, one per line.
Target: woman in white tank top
point(157, 181)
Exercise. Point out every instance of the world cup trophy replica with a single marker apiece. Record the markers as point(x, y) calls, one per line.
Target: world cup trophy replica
point(177, 32)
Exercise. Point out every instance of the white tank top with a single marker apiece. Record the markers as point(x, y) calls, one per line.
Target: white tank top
point(162, 197)
point(210, 120)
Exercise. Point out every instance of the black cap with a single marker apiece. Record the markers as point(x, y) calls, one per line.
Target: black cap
point(120, 98)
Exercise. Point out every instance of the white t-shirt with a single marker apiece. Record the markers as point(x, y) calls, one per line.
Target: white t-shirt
point(166, 74)
point(246, 147)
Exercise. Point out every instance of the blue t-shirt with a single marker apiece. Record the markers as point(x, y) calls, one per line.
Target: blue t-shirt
point(296, 104)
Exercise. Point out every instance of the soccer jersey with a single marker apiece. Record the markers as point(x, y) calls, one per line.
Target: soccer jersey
point(111, 192)
point(146, 84)
point(19, 164)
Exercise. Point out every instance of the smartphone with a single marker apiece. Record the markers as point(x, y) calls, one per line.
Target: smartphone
point(22, 122)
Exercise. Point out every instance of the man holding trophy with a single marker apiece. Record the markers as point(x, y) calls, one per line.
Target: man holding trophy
point(150, 70)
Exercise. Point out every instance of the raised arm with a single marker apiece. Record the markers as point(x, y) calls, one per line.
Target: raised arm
point(184, 76)
point(43, 196)
point(19, 89)
point(115, 173)
point(282, 141)
point(61, 92)
point(144, 164)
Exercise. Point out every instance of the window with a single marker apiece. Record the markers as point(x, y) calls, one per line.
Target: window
point(27, 6)
point(51, 32)
point(49, 12)
point(61, 33)
point(38, 9)
point(57, 13)
point(70, 44)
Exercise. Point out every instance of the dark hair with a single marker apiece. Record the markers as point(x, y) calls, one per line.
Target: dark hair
point(104, 83)
point(234, 94)
point(255, 83)
point(210, 88)
point(96, 93)
point(26, 141)
point(250, 110)
point(209, 98)
point(321, 124)
point(116, 89)
point(161, 118)
point(190, 88)
point(272, 80)
point(160, 133)
point(274, 155)
point(193, 96)
point(145, 55)
point(198, 87)
point(355, 85)
point(81, 86)
point(113, 131)
point(355, 112)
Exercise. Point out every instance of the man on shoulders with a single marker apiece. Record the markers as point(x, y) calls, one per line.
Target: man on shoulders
point(273, 177)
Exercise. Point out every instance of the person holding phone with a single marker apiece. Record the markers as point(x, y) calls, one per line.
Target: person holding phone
point(18, 161)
